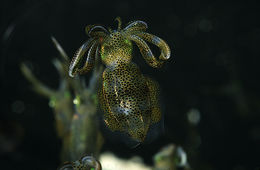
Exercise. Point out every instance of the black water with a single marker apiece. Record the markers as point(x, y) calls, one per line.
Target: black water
point(214, 68)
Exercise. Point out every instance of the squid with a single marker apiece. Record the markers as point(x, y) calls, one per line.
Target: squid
point(129, 100)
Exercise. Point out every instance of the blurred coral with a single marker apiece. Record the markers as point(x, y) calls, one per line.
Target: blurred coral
point(75, 109)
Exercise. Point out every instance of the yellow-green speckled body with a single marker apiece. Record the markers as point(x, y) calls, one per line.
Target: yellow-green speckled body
point(128, 98)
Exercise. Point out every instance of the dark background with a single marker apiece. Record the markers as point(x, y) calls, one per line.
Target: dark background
point(213, 69)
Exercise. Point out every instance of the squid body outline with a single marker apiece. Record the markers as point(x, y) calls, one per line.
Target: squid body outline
point(129, 99)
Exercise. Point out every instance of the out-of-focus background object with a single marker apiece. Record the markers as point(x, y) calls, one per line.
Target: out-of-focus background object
point(85, 163)
point(74, 107)
point(210, 87)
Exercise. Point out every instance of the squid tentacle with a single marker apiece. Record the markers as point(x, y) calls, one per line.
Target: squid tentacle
point(90, 60)
point(136, 26)
point(79, 57)
point(96, 31)
point(165, 49)
point(97, 54)
point(118, 19)
point(146, 52)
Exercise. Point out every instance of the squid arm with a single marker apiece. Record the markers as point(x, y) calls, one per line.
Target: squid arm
point(145, 50)
point(76, 63)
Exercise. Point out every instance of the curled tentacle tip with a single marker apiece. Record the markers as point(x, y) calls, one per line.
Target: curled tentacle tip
point(53, 39)
point(167, 56)
point(71, 73)
point(118, 19)
point(164, 57)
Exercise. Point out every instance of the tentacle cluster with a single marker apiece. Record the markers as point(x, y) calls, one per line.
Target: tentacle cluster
point(84, 58)
point(128, 98)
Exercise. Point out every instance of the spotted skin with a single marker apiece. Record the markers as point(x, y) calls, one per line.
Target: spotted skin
point(128, 98)
point(125, 99)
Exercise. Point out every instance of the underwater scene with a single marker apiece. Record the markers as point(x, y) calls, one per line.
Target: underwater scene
point(129, 85)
